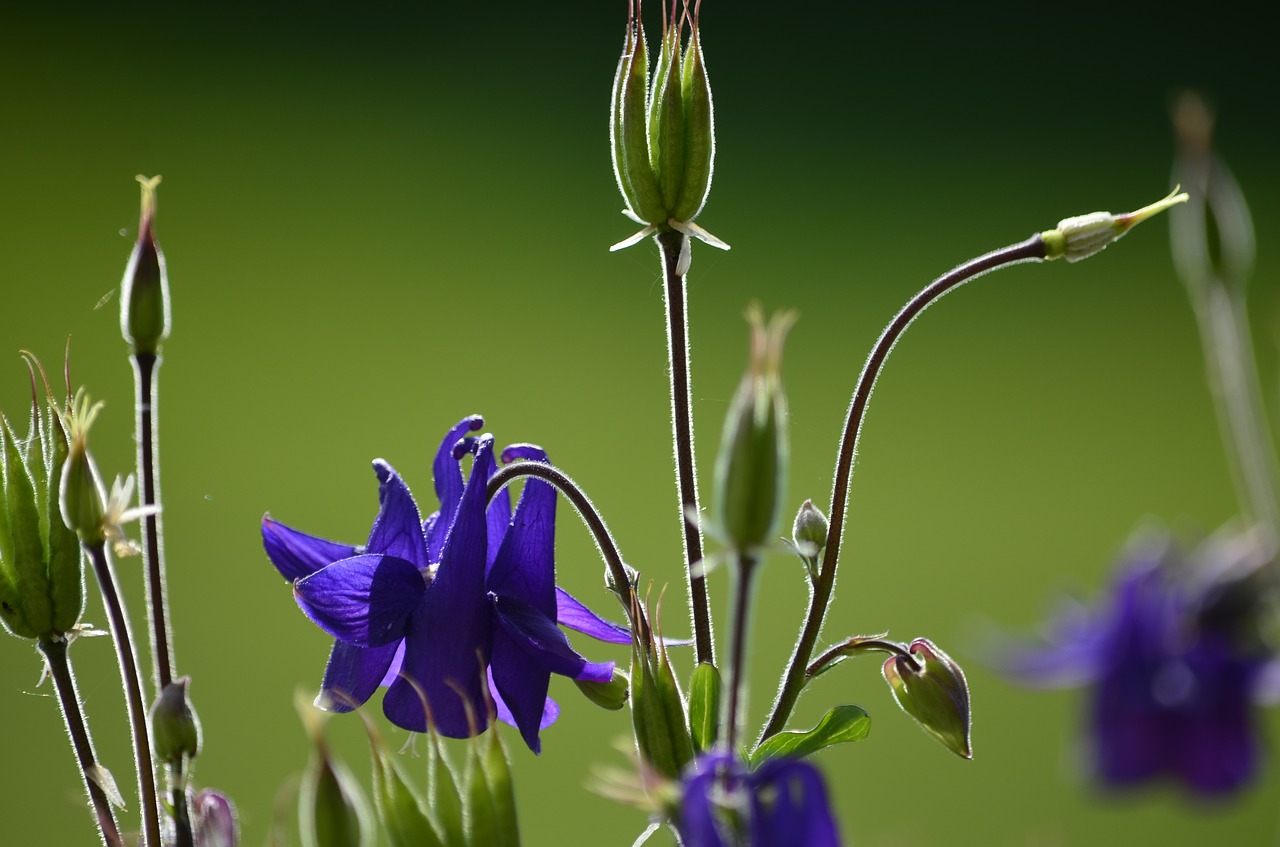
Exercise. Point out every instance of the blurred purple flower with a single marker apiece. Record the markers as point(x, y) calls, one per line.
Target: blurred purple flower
point(782, 803)
point(1174, 669)
point(430, 607)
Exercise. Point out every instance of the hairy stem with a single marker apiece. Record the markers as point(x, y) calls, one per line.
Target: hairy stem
point(795, 676)
point(131, 678)
point(145, 366)
point(590, 516)
point(682, 433)
point(64, 680)
point(739, 631)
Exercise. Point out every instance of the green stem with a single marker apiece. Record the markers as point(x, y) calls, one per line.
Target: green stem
point(64, 680)
point(739, 631)
point(794, 677)
point(145, 366)
point(131, 678)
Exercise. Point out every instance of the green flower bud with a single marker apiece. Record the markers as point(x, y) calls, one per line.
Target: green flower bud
point(809, 535)
point(82, 496)
point(144, 299)
point(175, 729)
point(332, 811)
point(662, 127)
point(1080, 237)
point(751, 468)
point(611, 695)
point(932, 690)
point(41, 564)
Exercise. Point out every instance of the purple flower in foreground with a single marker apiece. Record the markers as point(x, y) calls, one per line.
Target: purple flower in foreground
point(1174, 682)
point(430, 607)
point(782, 803)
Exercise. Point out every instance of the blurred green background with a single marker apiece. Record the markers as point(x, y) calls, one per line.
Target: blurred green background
point(378, 221)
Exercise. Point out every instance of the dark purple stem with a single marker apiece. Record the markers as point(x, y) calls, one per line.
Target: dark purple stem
point(144, 370)
point(794, 679)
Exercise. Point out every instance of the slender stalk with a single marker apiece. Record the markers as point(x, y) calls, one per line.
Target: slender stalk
point(182, 836)
point(859, 645)
point(130, 676)
point(682, 434)
point(739, 630)
point(591, 517)
point(145, 366)
point(64, 680)
point(795, 676)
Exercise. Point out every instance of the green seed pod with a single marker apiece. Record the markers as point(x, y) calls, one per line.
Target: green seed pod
point(751, 468)
point(144, 298)
point(699, 133)
point(628, 131)
point(399, 808)
point(41, 565)
point(657, 713)
point(666, 116)
point(934, 692)
point(175, 729)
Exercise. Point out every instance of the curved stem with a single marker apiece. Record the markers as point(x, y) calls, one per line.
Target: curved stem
point(794, 679)
point(144, 370)
point(590, 516)
point(859, 644)
point(739, 630)
point(129, 675)
point(64, 680)
point(682, 434)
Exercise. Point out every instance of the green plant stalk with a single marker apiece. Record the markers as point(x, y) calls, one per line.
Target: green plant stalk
point(739, 632)
point(795, 676)
point(145, 366)
point(682, 434)
point(130, 677)
point(64, 681)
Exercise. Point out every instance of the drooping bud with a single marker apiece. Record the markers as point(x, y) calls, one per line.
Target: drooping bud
point(809, 535)
point(332, 810)
point(41, 564)
point(1212, 236)
point(751, 468)
point(933, 690)
point(175, 729)
point(144, 296)
point(213, 820)
point(611, 695)
point(662, 127)
point(1084, 235)
point(82, 496)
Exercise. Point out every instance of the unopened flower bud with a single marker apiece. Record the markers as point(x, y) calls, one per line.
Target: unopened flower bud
point(213, 820)
point(751, 468)
point(332, 810)
point(932, 690)
point(809, 535)
point(144, 298)
point(175, 729)
point(41, 565)
point(1081, 236)
point(82, 496)
point(611, 695)
point(662, 127)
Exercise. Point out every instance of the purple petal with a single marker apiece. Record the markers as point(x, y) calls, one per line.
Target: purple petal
point(550, 709)
point(699, 822)
point(353, 674)
point(449, 634)
point(526, 565)
point(296, 554)
point(789, 806)
point(572, 613)
point(541, 642)
point(365, 600)
point(397, 530)
point(521, 684)
point(449, 485)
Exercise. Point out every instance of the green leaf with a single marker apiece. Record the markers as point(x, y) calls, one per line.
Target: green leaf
point(841, 724)
point(704, 706)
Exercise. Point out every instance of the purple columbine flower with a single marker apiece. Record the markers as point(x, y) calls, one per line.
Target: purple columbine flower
point(1174, 677)
point(431, 608)
point(782, 803)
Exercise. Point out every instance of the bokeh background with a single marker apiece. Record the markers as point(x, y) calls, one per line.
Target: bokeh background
point(378, 221)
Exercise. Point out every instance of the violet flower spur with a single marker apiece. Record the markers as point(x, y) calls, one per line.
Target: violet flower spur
point(782, 803)
point(439, 600)
point(1174, 675)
